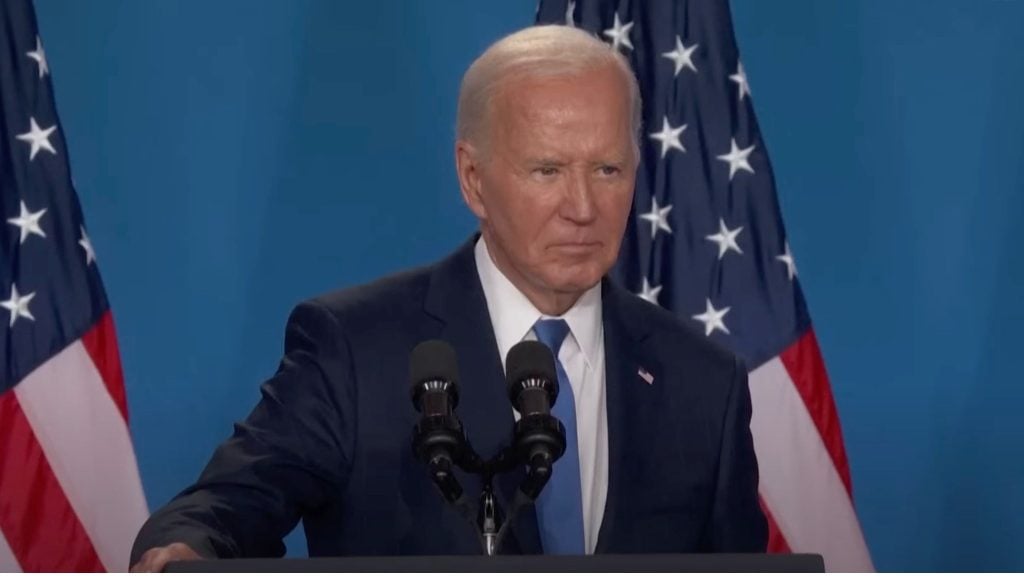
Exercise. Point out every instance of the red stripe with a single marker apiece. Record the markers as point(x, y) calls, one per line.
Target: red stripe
point(776, 540)
point(101, 344)
point(806, 368)
point(36, 518)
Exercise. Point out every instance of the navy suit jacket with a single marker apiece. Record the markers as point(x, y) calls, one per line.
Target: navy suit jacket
point(330, 441)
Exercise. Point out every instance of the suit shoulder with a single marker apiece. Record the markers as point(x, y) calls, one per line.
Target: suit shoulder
point(394, 295)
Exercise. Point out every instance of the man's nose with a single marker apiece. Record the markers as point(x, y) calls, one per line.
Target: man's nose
point(578, 205)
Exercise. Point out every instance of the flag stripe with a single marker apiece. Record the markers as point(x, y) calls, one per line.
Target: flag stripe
point(799, 482)
point(70, 494)
point(776, 540)
point(8, 563)
point(101, 344)
point(87, 443)
point(806, 368)
point(36, 518)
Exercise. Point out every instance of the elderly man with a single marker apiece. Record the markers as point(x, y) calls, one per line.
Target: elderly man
point(659, 453)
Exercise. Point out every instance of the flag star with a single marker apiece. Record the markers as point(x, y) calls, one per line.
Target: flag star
point(18, 305)
point(28, 222)
point(86, 244)
point(39, 55)
point(726, 239)
point(738, 159)
point(658, 217)
point(682, 56)
point(38, 138)
point(649, 293)
point(712, 319)
point(669, 137)
point(619, 33)
point(740, 77)
point(787, 259)
point(570, 11)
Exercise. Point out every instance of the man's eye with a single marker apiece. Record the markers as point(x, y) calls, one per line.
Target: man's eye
point(609, 170)
point(547, 170)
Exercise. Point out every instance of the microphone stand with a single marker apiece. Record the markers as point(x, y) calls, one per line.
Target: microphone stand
point(491, 522)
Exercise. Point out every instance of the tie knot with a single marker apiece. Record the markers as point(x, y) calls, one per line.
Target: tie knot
point(551, 333)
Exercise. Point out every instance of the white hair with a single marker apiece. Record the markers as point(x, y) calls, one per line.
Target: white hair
point(536, 52)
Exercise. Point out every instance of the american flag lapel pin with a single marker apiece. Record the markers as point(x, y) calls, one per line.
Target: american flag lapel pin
point(645, 375)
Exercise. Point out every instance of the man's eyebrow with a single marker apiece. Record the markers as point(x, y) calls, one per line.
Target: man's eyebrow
point(545, 161)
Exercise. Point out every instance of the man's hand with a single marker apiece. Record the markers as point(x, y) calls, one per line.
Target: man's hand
point(155, 559)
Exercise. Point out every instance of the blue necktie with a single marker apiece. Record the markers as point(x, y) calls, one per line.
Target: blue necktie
point(560, 504)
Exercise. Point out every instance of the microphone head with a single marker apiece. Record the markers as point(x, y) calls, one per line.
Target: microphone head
point(434, 367)
point(530, 364)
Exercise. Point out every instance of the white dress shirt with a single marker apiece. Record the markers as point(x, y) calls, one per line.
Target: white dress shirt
point(582, 356)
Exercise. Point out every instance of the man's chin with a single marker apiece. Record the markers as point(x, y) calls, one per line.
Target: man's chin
point(576, 284)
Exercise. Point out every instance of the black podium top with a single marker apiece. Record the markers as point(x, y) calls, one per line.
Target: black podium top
point(597, 563)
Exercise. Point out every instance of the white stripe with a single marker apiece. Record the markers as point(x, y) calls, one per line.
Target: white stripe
point(799, 482)
point(86, 441)
point(8, 563)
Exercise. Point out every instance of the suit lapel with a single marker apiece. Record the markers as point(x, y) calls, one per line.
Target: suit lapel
point(456, 297)
point(623, 358)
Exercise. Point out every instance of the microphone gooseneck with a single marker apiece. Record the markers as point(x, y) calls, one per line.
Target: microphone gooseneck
point(438, 438)
point(539, 438)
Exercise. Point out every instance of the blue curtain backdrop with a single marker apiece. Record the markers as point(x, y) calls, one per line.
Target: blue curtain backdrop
point(234, 157)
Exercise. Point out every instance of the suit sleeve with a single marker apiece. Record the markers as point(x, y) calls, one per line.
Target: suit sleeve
point(737, 522)
point(292, 451)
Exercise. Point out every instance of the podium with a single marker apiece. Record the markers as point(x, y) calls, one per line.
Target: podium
point(595, 563)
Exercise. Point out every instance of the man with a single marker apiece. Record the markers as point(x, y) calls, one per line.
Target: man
point(659, 452)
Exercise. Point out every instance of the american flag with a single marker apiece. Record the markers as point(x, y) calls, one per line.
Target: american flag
point(70, 495)
point(706, 240)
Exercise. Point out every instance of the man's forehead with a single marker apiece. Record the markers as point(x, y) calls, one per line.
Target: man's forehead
point(554, 95)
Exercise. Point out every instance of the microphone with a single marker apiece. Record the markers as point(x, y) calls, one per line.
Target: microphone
point(438, 439)
point(533, 388)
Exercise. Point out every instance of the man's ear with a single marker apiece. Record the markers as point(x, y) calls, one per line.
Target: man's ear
point(468, 167)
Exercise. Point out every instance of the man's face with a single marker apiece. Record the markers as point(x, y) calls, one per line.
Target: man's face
point(554, 185)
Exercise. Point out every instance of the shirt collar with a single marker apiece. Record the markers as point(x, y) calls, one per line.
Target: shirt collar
point(513, 315)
